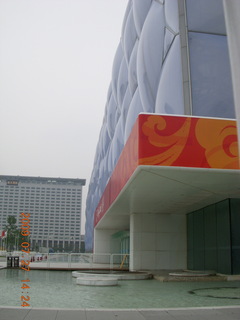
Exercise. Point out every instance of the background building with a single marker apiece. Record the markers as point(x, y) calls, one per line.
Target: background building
point(164, 185)
point(55, 206)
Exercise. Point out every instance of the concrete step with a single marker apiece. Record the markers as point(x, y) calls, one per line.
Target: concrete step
point(97, 281)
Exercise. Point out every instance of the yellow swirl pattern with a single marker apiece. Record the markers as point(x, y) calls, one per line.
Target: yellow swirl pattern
point(219, 139)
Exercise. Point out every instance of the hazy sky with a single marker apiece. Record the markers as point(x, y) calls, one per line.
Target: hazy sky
point(55, 68)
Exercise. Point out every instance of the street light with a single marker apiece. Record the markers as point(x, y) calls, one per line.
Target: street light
point(49, 238)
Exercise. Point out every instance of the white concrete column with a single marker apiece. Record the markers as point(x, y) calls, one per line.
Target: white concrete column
point(158, 241)
point(104, 245)
point(232, 18)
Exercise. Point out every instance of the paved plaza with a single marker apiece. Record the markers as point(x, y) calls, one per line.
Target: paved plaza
point(213, 313)
point(222, 313)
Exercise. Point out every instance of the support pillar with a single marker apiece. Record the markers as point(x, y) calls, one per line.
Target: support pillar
point(157, 241)
point(104, 245)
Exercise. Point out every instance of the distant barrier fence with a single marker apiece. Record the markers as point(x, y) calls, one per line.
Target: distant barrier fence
point(79, 260)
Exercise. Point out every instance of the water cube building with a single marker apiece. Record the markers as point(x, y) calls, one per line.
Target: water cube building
point(165, 181)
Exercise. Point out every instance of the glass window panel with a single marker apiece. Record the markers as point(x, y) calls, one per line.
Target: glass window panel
point(206, 16)
point(210, 76)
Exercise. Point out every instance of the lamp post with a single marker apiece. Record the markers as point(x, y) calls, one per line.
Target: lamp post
point(49, 238)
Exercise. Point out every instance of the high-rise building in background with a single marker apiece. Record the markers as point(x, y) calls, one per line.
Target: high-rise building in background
point(165, 181)
point(54, 205)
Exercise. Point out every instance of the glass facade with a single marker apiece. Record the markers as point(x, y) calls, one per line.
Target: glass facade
point(213, 238)
point(211, 83)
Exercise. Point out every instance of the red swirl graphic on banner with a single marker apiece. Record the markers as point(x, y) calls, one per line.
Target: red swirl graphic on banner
point(170, 144)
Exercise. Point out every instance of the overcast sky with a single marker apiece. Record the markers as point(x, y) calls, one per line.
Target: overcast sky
point(55, 68)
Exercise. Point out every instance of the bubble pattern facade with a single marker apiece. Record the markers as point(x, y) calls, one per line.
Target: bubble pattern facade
point(172, 59)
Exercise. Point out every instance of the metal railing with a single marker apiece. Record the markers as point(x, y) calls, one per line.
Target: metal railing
point(81, 260)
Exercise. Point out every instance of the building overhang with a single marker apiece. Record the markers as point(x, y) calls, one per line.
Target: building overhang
point(171, 165)
point(170, 190)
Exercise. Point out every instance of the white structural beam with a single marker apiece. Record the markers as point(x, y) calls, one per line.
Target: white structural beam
point(232, 18)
